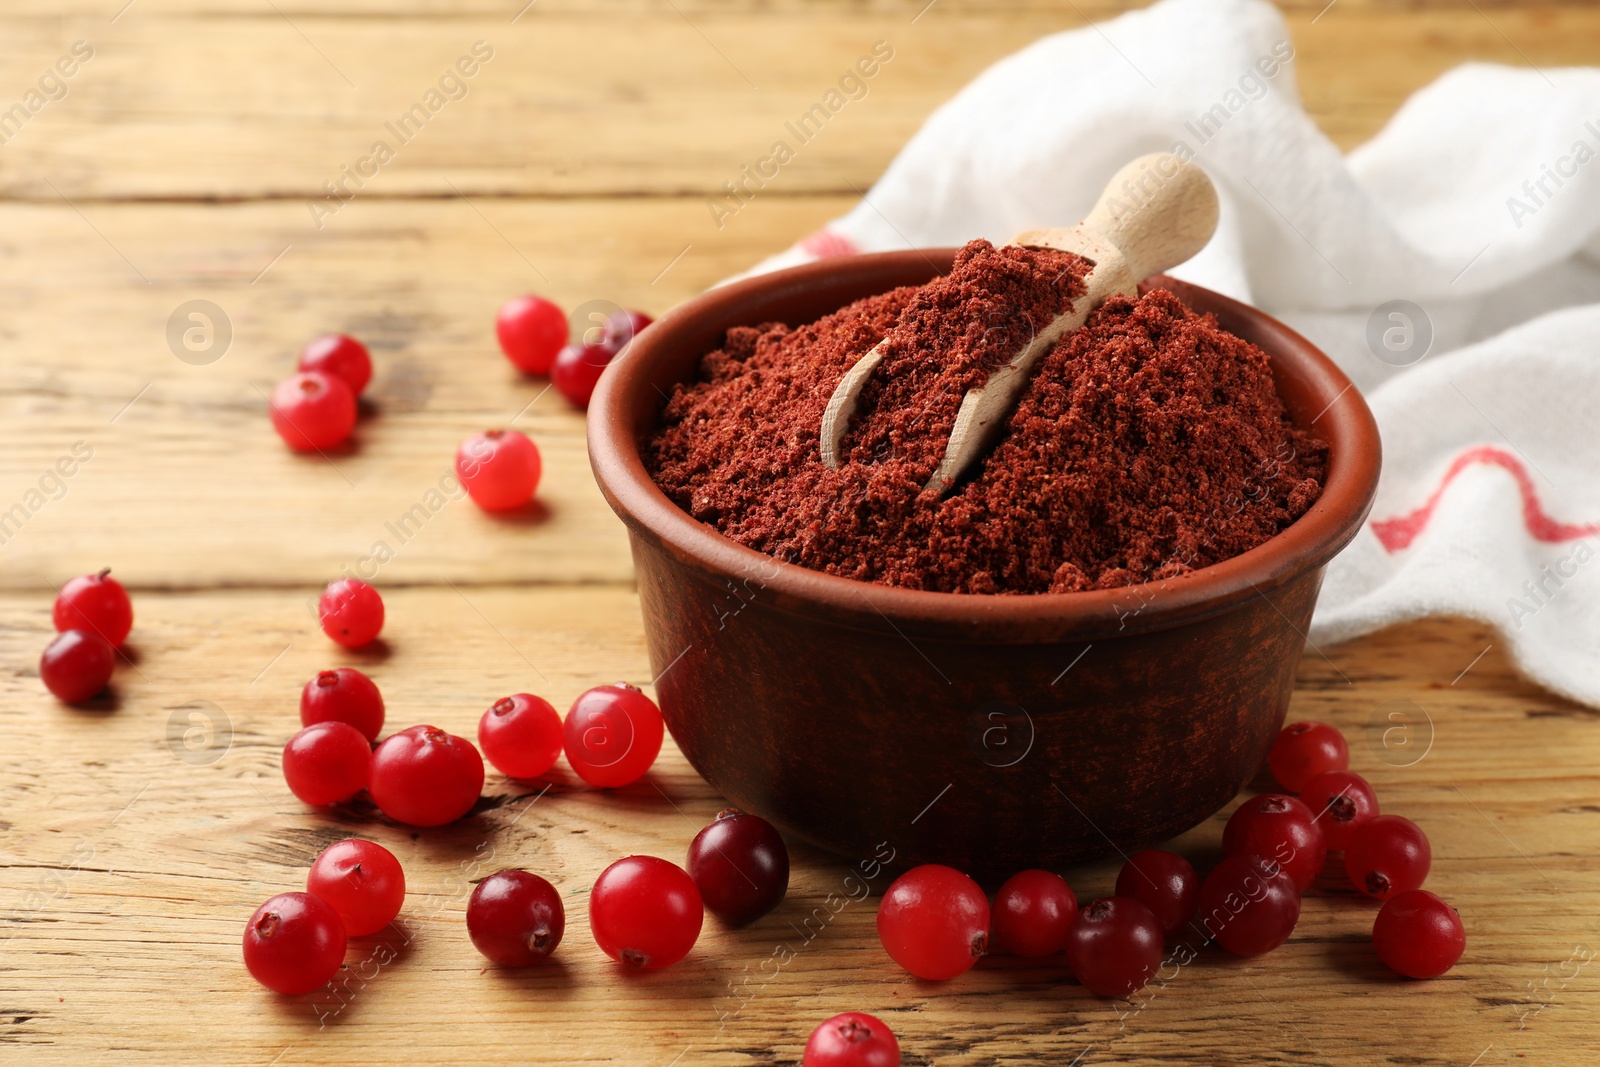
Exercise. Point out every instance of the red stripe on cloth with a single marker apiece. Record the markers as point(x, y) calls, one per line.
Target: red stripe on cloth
point(825, 244)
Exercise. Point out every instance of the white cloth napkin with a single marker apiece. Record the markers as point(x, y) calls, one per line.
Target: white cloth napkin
point(1478, 205)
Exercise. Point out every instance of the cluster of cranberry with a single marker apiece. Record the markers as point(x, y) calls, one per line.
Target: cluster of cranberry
point(92, 615)
point(533, 335)
point(936, 922)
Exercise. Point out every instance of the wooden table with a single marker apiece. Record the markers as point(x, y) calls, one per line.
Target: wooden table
point(187, 161)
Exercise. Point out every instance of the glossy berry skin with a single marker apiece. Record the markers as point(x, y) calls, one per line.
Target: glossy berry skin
point(343, 694)
point(1388, 855)
point(645, 912)
point(1249, 905)
point(622, 327)
point(531, 330)
point(1304, 750)
point(934, 922)
point(1418, 935)
point(312, 411)
point(341, 356)
point(294, 943)
point(425, 777)
point(1032, 913)
point(853, 1039)
point(1114, 947)
point(1340, 801)
point(612, 735)
point(327, 762)
point(515, 918)
point(740, 865)
point(76, 665)
point(521, 735)
point(1278, 827)
point(362, 880)
point(499, 468)
point(1164, 882)
point(351, 612)
point(577, 370)
point(97, 603)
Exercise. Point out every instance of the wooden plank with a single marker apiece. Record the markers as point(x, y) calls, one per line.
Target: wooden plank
point(188, 485)
point(264, 106)
point(126, 873)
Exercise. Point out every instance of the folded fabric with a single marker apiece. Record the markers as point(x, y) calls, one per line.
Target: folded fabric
point(1451, 266)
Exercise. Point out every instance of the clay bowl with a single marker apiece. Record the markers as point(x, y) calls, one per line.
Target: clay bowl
point(992, 733)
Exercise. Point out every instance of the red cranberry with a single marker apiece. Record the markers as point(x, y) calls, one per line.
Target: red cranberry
point(499, 468)
point(1032, 913)
point(341, 356)
point(1342, 801)
point(645, 912)
point(934, 922)
point(1418, 935)
point(853, 1039)
point(343, 694)
point(1387, 855)
point(515, 918)
point(312, 411)
point(612, 735)
point(1279, 828)
point(294, 943)
point(1249, 905)
point(426, 777)
point(521, 735)
point(621, 327)
point(351, 612)
point(1115, 946)
point(1165, 883)
point(362, 880)
point(531, 330)
point(741, 867)
point(76, 665)
point(1304, 750)
point(577, 370)
point(97, 603)
point(327, 762)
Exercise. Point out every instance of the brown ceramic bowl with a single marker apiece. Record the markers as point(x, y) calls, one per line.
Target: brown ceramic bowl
point(992, 733)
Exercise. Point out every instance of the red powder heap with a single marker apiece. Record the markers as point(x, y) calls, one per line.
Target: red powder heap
point(1147, 443)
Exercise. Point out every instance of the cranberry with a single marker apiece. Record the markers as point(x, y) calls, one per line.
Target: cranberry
point(76, 665)
point(341, 356)
point(343, 694)
point(934, 922)
point(1165, 883)
point(853, 1039)
point(531, 330)
point(1249, 905)
point(426, 777)
point(351, 612)
point(1114, 947)
point(294, 943)
point(362, 880)
point(613, 735)
point(515, 918)
point(1032, 913)
point(312, 411)
point(521, 735)
point(1341, 802)
point(97, 603)
point(499, 468)
point(1386, 855)
point(621, 327)
point(1418, 935)
point(327, 762)
point(1304, 750)
point(740, 865)
point(645, 912)
point(577, 370)
point(1279, 828)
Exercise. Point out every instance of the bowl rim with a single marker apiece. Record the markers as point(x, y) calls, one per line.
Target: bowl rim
point(1346, 424)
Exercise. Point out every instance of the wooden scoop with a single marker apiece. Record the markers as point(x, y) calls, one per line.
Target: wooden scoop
point(1156, 212)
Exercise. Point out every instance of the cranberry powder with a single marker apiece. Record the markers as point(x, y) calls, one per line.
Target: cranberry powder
point(1147, 443)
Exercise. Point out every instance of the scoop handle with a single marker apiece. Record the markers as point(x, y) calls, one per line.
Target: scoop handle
point(1158, 211)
